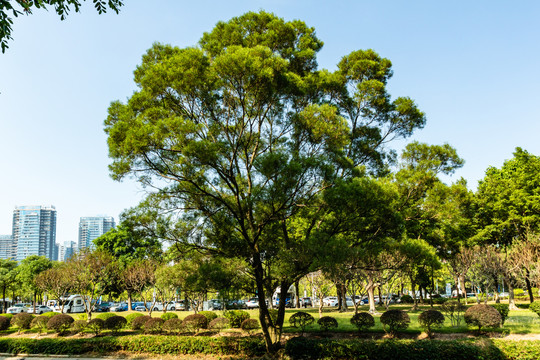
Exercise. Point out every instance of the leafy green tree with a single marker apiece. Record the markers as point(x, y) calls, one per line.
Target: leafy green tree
point(243, 137)
point(57, 281)
point(61, 7)
point(28, 271)
point(7, 277)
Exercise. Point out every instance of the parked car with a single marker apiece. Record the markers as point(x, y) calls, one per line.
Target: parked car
point(18, 308)
point(306, 301)
point(159, 307)
point(236, 304)
point(103, 307)
point(330, 301)
point(119, 307)
point(253, 303)
point(39, 309)
point(214, 304)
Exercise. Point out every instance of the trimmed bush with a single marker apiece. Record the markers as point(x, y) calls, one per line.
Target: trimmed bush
point(407, 299)
point(40, 323)
point(301, 320)
point(96, 326)
point(209, 315)
point(50, 314)
point(535, 307)
point(483, 315)
point(104, 316)
point(249, 325)
point(327, 323)
point(83, 316)
point(22, 321)
point(9, 316)
point(173, 326)
point(131, 317)
point(60, 323)
point(395, 320)
point(236, 317)
point(79, 326)
point(153, 326)
point(431, 319)
point(168, 316)
point(503, 309)
point(453, 310)
point(195, 322)
point(363, 321)
point(115, 323)
point(138, 322)
point(219, 323)
point(5, 323)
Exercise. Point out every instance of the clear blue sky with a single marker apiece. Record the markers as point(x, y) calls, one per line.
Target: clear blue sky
point(472, 66)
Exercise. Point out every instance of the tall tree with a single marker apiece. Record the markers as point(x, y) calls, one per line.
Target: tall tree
point(7, 277)
point(242, 136)
point(29, 269)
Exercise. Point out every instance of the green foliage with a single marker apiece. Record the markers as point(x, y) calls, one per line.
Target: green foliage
point(195, 322)
point(431, 319)
point(79, 326)
point(8, 316)
point(482, 315)
point(168, 316)
point(50, 314)
point(301, 320)
point(153, 325)
point(40, 323)
point(96, 326)
point(363, 321)
point(131, 317)
point(115, 323)
point(22, 321)
point(394, 320)
point(209, 315)
point(327, 323)
point(219, 323)
point(504, 310)
point(535, 307)
point(249, 325)
point(453, 310)
point(236, 317)
point(138, 322)
point(104, 316)
point(407, 299)
point(60, 323)
point(173, 325)
point(4, 323)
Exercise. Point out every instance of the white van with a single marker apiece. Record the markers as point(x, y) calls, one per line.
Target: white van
point(72, 304)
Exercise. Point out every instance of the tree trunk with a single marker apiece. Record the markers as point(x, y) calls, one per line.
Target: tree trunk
point(339, 295)
point(529, 287)
point(371, 296)
point(297, 291)
point(511, 300)
point(129, 301)
point(413, 291)
point(4, 299)
point(344, 298)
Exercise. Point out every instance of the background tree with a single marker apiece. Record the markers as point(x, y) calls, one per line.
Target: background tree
point(7, 277)
point(28, 271)
point(61, 7)
point(244, 136)
point(136, 276)
point(57, 282)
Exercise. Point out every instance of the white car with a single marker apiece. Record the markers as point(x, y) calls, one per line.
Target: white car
point(39, 309)
point(159, 307)
point(18, 308)
point(253, 303)
point(330, 301)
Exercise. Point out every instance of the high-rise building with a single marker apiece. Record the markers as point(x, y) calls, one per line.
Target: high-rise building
point(93, 227)
point(34, 231)
point(7, 250)
point(67, 250)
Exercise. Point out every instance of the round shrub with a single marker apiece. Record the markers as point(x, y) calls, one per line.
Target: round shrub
point(363, 321)
point(209, 315)
point(173, 325)
point(407, 299)
point(219, 323)
point(4, 323)
point(104, 316)
point(40, 323)
point(79, 326)
point(482, 315)
point(301, 320)
point(96, 326)
point(327, 323)
point(168, 316)
point(22, 321)
point(153, 326)
point(131, 317)
point(138, 322)
point(195, 322)
point(115, 323)
point(535, 307)
point(50, 314)
point(503, 309)
point(431, 319)
point(395, 320)
point(8, 316)
point(60, 323)
point(236, 317)
point(249, 325)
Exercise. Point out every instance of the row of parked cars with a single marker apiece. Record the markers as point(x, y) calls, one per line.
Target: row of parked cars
point(28, 308)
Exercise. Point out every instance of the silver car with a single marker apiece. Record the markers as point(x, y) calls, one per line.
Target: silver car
point(39, 309)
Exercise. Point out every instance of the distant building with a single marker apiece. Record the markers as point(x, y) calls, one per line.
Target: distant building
point(91, 228)
point(34, 231)
point(67, 250)
point(7, 250)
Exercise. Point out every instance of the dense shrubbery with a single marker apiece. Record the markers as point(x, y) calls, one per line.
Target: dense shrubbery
point(249, 325)
point(9, 316)
point(209, 315)
point(363, 321)
point(96, 326)
point(236, 317)
point(79, 326)
point(4, 323)
point(483, 315)
point(22, 321)
point(431, 319)
point(40, 323)
point(60, 323)
point(453, 309)
point(115, 323)
point(195, 322)
point(535, 307)
point(168, 316)
point(219, 323)
point(327, 323)
point(105, 316)
point(395, 320)
point(504, 310)
point(173, 325)
point(131, 317)
point(138, 322)
point(407, 299)
point(153, 326)
point(301, 320)
point(50, 314)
